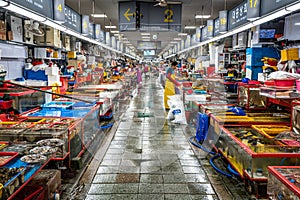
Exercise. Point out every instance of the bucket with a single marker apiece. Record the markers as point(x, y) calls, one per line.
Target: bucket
point(298, 85)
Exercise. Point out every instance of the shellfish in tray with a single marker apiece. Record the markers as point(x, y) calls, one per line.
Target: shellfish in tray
point(44, 150)
point(34, 158)
point(53, 142)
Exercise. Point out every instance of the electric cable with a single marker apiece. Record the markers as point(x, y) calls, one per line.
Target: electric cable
point(200, 146)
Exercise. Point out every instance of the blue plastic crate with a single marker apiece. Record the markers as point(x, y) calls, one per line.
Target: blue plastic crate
point(36, 75)
point(83, 104)
point(57, 105)
point(78, 113)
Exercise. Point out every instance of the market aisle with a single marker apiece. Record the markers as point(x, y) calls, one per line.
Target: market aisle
point(149, 159)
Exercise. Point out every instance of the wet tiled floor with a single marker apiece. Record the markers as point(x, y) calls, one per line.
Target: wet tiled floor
point(149, 158)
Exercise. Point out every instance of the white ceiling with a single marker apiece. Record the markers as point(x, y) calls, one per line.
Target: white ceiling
point(189, 9)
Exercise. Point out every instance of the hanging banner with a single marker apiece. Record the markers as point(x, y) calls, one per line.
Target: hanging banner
point(216, 27)
point(194, 39)
point(204, 34)
point(91, 31)
point(182, 44)
point(157, 18)
point(238, 16)
point(102, 37)
point(127, 19)
point(107, 39)
point(142, 45)
point(268, 6)
point(97, 31)
point(42, 7)
point(59, 10)
point(72, 19)
point(223, 16)
point(179, 46)
point(187, 41)
point(253, 9)
point(198, 34)
point(85, 21)
point(113, 42)
point(210, 28)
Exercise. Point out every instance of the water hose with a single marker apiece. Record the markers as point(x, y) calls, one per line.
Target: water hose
point(232, 171)
point(201, 147)
point(107, 126)
point(211, 161)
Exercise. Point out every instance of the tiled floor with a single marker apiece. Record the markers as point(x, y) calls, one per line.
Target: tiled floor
point(149, 158)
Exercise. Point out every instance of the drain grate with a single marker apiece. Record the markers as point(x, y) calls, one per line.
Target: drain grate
point(144, 114)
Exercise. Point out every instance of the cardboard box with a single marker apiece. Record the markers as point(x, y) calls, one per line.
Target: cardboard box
point(72, 54)
point(290, 54)
point(2, 30)
point(52, 38)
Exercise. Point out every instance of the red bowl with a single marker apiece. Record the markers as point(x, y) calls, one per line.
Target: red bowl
point(269, 83)
point(284, 82)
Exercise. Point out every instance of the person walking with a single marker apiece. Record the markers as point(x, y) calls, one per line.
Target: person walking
point(171, 83)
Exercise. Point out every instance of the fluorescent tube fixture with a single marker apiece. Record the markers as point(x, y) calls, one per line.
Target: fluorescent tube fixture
point(177, 39)
point(99, 15)
point(202, 16)
point(146, 37)
point(114, 31)
point(182, 34)
point(145, 33)
point(190, 27)
point(110, 27)
point(173, 42)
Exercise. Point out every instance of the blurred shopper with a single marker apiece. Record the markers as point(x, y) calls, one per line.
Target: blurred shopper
point(171, 83)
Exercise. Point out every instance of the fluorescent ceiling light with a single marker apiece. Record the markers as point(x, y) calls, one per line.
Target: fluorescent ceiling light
point(110, 27)
point(182, 34)
point(146, 37)
point(177, 39)
point(55, 25)
point(114, 31)
point(99, 15)
point(116, 34)
point(173, 42)
point(202, 16)
point(190, 27)
point(145, 33)
point(297, 24)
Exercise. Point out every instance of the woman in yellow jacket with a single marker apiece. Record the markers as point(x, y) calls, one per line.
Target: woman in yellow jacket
point(171, 83)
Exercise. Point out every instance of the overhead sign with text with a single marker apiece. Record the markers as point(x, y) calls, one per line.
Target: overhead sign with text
point(271, 5)
point(127, 19)
point(142, 45)
point(44, 7)
point(238, 15)
point(72, 19)
point(158, 18)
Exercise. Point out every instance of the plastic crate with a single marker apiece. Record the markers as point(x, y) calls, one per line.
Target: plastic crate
point(11, 154)
point(57, 105)
point(5, 104)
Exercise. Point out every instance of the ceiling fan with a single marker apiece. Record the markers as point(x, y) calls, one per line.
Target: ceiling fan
point(164, 3)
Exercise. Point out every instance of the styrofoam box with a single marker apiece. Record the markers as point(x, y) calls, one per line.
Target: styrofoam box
point(53, 78)
point(51, 83)
point(52, 70)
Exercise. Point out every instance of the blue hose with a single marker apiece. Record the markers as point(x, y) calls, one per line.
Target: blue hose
point(201, 147)
point(107, 126)
point(232, 171)
point(211, 161)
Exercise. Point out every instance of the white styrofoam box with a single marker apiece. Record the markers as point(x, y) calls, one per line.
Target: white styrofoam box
point(16, 28)
point(53, 78)
point(52, 70)
point(52, 83)
point(36, 83)
point(261, 77)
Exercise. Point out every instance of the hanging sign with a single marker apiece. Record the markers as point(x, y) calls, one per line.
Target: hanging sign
point(238, 16)
point(144, 45)
point(216, 27)
point(97, 31)
point(59, 10)
point(85, 25)
point(157, 18)
point(198, 34)
point(42, 7)
point(268, 6)
point(194, 39)
point(92, 30)
point(204, 33)
point(127, 20)
point(182, 44)
point(72, 19)
point(253, 9)
point(113, 42)
point(102, 37)
point(187, 41)
point(210, 28)
point(107, 39)
point(223, 16)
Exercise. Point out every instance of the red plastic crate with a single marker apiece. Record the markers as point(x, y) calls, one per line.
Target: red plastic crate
point(5, 104)
point(12, 154)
